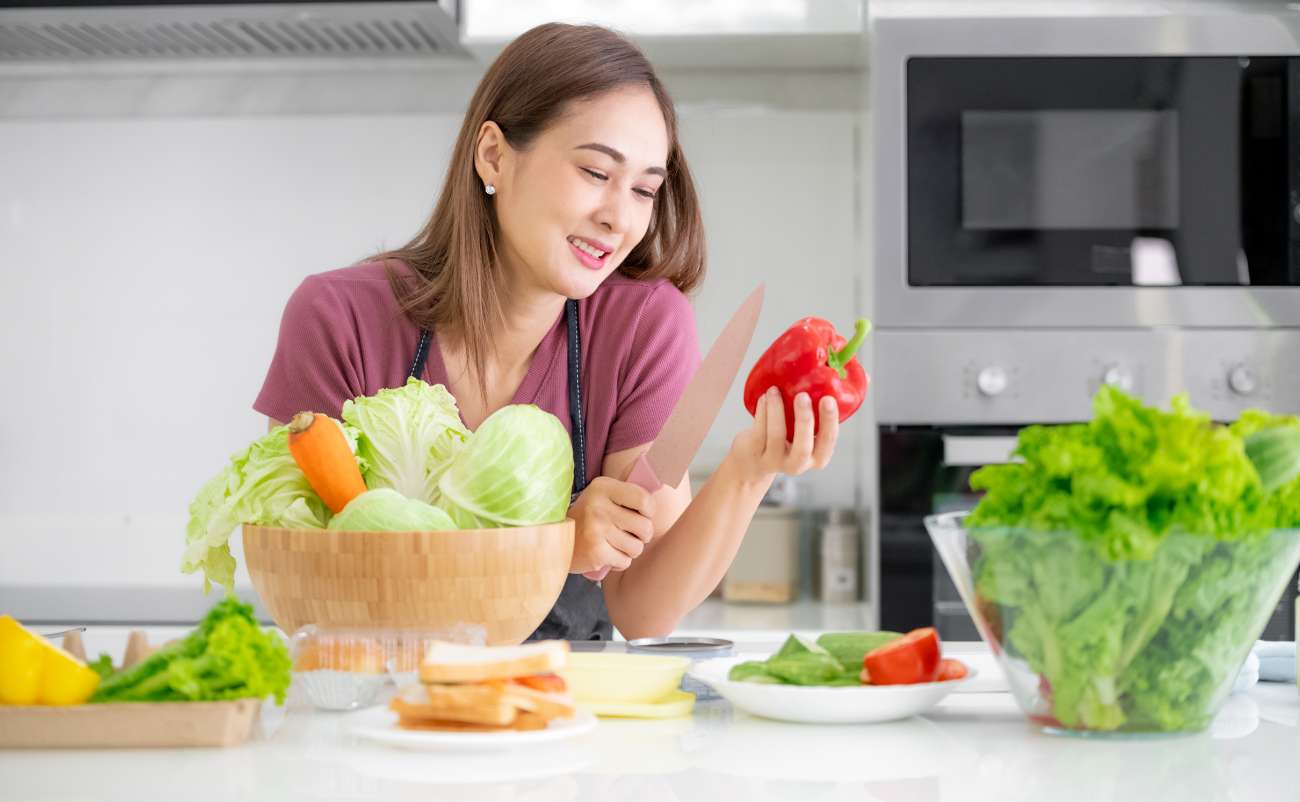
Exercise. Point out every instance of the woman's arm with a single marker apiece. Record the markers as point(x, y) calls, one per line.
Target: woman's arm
point(685, 562)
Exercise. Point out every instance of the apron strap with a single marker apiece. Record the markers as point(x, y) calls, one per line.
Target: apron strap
point(421, 356)
point(577, 429)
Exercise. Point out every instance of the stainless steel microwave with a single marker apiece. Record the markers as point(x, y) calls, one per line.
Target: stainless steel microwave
point(1149, 164)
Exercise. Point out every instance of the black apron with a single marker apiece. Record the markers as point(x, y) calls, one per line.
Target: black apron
point(580, 612)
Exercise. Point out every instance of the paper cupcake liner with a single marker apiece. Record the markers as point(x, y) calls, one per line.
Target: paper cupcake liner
point(340, 690)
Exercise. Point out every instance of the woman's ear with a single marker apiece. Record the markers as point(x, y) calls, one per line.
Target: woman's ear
point(490, 153)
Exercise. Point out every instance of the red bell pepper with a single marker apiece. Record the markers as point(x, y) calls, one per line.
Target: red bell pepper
point(811, 357)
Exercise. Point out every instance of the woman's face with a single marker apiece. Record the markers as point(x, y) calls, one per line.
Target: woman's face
point(579, 199)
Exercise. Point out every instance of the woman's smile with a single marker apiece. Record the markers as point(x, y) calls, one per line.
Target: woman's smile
point(590, 255)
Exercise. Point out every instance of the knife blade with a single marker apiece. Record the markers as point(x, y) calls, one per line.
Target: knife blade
point(667, 459)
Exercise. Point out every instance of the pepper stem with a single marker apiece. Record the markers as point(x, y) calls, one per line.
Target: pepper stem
point(838, 359)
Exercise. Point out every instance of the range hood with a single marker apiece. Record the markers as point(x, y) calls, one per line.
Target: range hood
point(674, 33)
point(105, 30)
point(800, 34)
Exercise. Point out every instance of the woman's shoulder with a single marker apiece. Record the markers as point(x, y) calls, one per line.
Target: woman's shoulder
point(633, 300)
point(363, 286)
point(363, 275)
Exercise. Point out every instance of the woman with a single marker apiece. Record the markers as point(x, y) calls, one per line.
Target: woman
point(553, 272)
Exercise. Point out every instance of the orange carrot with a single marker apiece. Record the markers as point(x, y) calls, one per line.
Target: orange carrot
point(318, 446)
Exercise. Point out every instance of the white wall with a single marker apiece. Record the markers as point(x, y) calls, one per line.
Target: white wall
point(145, 258)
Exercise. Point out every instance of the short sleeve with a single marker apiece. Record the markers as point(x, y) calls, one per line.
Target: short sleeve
point(316, 364)
point(663, 357)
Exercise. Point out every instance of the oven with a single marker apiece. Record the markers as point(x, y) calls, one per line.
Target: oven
point(1060, 204)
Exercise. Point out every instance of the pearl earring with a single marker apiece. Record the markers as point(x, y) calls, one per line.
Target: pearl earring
point(489, 189)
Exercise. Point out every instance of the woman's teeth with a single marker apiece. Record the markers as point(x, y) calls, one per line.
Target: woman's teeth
point(587, 249)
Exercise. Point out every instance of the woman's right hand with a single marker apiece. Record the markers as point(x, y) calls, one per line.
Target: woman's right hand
point(613, 523)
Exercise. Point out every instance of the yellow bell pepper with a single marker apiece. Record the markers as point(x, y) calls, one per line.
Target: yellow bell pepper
point(35, 671)
point(65, 680)
point(21, 658)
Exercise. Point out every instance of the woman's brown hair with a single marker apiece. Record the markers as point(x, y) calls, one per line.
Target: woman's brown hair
point(454, 257)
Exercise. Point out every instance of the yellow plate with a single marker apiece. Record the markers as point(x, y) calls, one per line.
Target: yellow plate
point(674, 705)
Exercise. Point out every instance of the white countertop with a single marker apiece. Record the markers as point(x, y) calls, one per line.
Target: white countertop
point(973, 746)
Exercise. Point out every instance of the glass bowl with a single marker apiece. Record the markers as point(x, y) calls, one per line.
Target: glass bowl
point(1093, 646)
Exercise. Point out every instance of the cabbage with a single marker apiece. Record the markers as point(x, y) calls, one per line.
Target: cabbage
point(516, 470)
point(386, 510)
point(261, 485)
point(407, 437)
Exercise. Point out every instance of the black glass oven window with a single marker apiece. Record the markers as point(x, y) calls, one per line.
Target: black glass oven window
point(1069, 169)
point(1103, 171)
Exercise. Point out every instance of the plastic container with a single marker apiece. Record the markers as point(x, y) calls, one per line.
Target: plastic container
point(1101, 647)
point(693, 648)
point(625, 678)
point(345, 668)
point(836, 578)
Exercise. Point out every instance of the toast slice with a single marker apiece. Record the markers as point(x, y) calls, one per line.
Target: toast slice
point(486, 704)
point(447, 663)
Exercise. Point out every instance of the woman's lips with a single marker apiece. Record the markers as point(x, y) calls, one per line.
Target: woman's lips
point(587, 259)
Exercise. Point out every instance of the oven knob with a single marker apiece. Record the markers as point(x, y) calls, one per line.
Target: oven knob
point(991, 381)
point(1243, 380)
point(1119, 377)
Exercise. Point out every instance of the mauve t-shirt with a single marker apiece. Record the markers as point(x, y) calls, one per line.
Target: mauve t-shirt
point(343, 335)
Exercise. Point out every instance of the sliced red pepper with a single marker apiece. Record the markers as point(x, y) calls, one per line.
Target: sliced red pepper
point(913, 658)
point(811, 357)
point(547, 683)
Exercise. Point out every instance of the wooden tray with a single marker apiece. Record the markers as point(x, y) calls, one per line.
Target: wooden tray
point(128, 724)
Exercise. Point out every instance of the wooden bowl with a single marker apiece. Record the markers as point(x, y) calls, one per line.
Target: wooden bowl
point(504, 580)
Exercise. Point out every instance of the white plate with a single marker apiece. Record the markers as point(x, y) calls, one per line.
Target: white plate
point(821, 704)
point(380, 725)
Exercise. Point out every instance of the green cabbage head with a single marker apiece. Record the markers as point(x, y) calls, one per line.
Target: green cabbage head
point(386, 510)
point(516, 470)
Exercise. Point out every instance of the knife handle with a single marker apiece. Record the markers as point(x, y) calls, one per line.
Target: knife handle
point(643, 476)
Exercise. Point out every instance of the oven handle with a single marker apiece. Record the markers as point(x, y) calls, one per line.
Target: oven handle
point(974, 451)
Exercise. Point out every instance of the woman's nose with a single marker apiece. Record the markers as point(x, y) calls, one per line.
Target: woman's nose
point(614, 212)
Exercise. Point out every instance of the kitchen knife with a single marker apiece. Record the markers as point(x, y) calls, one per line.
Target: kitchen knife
point(667, 459)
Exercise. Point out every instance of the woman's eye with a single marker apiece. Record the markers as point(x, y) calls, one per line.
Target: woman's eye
point(595, 175)
point(646, 193)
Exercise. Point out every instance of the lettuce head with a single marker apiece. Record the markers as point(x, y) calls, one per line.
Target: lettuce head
point(260, 485)
point(407, 437)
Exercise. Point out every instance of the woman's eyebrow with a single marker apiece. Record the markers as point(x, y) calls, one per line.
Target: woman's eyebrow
point(619, 157)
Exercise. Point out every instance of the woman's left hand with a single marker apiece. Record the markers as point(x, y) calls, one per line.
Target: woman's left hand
point(761, 451)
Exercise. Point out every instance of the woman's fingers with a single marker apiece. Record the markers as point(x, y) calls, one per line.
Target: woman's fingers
point(639, 527)
point(813, 441)
point(774, 446)
point(632, 497)
point(827, 433)
point(615, 559)
point(801, 444)
point(628, 543)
